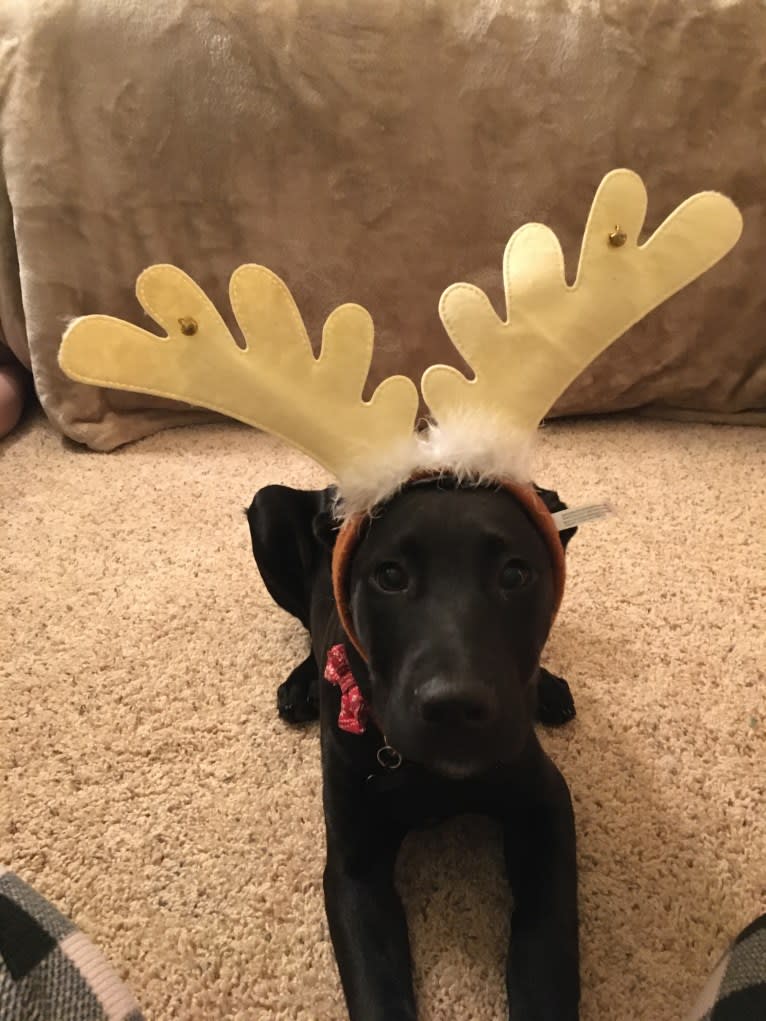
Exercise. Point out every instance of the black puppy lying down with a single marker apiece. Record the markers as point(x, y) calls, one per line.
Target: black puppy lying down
point(452, 596)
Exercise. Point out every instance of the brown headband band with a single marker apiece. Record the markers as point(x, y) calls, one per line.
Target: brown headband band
point(352, 530)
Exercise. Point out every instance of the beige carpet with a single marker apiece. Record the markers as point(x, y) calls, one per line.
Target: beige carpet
point(157, 799)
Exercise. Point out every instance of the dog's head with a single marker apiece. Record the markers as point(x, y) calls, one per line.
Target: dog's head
point(452, 595)
point(451, 591)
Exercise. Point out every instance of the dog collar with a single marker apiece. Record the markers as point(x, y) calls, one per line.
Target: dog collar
point(352, 530)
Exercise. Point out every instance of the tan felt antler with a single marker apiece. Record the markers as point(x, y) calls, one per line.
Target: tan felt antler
point(275, 383)
point(553, 331)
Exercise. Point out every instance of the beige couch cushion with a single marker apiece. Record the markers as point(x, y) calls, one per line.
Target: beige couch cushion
point(374, 152)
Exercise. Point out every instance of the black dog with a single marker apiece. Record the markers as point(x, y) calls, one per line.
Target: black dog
point(452, 597)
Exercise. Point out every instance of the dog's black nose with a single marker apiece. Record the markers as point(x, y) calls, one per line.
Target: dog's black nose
point(444, 704)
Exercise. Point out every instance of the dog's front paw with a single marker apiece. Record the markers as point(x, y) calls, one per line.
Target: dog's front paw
point(298, 697)
point(297, 706)
point(555, 705)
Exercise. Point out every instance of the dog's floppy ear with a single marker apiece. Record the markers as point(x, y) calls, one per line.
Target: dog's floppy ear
point(326, 525)
point(551, 500)
point(286, 545)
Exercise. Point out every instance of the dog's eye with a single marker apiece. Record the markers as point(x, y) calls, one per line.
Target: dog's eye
point(391, 578)
point(514, 575)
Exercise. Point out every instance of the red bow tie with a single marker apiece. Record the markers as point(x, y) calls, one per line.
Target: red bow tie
point(354, 712)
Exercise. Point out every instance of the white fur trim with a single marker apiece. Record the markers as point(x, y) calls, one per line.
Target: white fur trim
point(472, 447)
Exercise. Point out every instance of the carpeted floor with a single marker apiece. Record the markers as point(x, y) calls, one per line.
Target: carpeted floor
point(156, 798)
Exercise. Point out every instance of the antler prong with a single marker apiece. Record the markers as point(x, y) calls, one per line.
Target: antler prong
point(552, 331)
point(275, 383)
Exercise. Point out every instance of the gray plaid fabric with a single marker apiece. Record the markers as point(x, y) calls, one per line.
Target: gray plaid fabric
point(49, 971)
point(38, 907)
point(39, 980)
point(737, 988)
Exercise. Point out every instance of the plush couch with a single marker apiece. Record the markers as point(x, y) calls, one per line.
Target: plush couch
point(376, 151)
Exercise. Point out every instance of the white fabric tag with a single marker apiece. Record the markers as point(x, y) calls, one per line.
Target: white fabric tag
point(573, 516)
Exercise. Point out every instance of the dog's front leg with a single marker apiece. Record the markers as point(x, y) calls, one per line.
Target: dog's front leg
point(367, 922)
point(543, 961)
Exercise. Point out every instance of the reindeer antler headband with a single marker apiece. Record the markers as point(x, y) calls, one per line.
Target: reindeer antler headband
point(483, 426)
